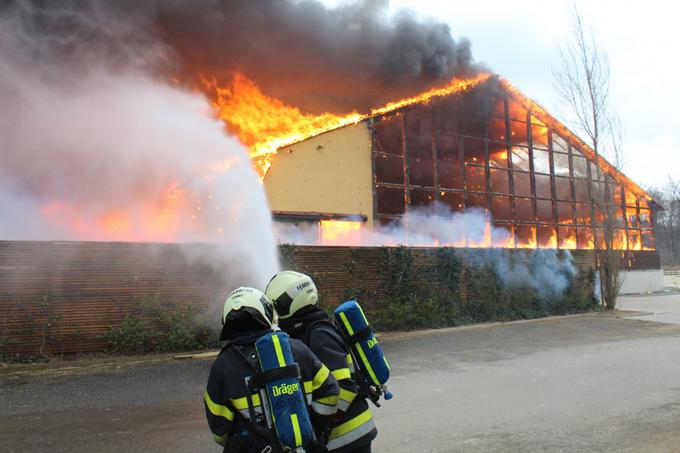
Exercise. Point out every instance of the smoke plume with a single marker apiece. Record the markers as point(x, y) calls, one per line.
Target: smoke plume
point(309, 55)
point(95, 146)
point(542, 270)
point(312, 56)
point(103, 137)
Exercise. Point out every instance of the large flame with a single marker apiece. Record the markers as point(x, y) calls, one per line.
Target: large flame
point(265, 124)
point(157, 221)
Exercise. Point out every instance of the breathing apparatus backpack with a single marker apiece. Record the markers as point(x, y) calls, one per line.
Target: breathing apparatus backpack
point(281, 395)
point(371, 368)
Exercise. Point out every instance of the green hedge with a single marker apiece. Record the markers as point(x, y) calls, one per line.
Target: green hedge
point(159, 327)
point(456, 293)
point(464, 294)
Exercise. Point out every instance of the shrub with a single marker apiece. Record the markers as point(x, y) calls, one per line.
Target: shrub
point(412, 315)
point(160, 327)
point(130, 337)
point(468, 294)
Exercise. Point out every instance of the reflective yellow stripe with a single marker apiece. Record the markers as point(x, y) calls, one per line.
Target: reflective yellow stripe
point(328, 400)
point(367, 364)
point(320, 377)
point(347, 395)
point(217, 409)
point(350, 331)
point(352, 424)
point(341, 373)
point(242, 403)
point(279, 352)
point(362, 314)
point(296, 430)
point(220, 439)
point(350, 363)
point(358, 345)
point(318, 380)
point(356, 434)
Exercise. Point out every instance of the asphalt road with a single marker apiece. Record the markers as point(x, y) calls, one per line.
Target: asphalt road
point(586, 383)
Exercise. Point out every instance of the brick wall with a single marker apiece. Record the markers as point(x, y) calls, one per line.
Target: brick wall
point(60, 297)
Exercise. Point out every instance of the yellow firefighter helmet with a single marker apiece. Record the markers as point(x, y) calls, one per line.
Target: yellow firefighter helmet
point(290, 292)
point(247, 301)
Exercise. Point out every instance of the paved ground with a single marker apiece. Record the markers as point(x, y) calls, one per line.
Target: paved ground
point(661, 308)
point(587, 383)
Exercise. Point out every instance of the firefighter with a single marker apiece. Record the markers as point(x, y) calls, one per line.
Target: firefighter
point(295, 299)
point(247, 316)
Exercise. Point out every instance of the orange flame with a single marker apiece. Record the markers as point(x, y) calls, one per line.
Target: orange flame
point(266, 124)
point(454, 86)
point(527, 241)
point(335, 232)
point(147, 221)
point(567, 239)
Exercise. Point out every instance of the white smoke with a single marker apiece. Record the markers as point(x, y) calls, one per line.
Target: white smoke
point(546, 271)
point(104, 151)
point(434, 224)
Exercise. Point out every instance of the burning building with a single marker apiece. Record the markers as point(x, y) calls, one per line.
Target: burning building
point(473, 157)
point(474, 145)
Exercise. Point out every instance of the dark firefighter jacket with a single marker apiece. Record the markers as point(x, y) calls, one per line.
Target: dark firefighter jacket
point(353, 426)
point(225, 398)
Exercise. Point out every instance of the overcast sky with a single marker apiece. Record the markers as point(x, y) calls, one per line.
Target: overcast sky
point(518, 39)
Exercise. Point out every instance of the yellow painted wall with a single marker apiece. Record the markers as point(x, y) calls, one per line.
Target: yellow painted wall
point(329, 173)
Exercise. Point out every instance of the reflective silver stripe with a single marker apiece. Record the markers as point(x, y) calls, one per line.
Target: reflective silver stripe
point(351, 436)
point(323, 409)
point(343, 405)
point(309, 399)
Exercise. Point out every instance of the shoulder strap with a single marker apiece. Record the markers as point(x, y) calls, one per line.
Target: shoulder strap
point(253, 428)
point(288, 371)
point(306, 337)
point(250, 361)
point(360, 335)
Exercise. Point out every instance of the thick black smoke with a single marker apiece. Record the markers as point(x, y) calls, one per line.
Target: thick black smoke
point(309, 55)
point(312, 56)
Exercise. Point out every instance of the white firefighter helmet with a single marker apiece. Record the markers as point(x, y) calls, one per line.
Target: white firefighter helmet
point(250, 301)
point(291, 291)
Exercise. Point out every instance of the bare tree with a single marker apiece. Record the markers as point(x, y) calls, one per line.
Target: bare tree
point(673, 220)
point(582, 80)
point(667, 222)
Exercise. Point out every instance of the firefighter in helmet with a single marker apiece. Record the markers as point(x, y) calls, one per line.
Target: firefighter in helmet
point(248, 316)
point(295, 299)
